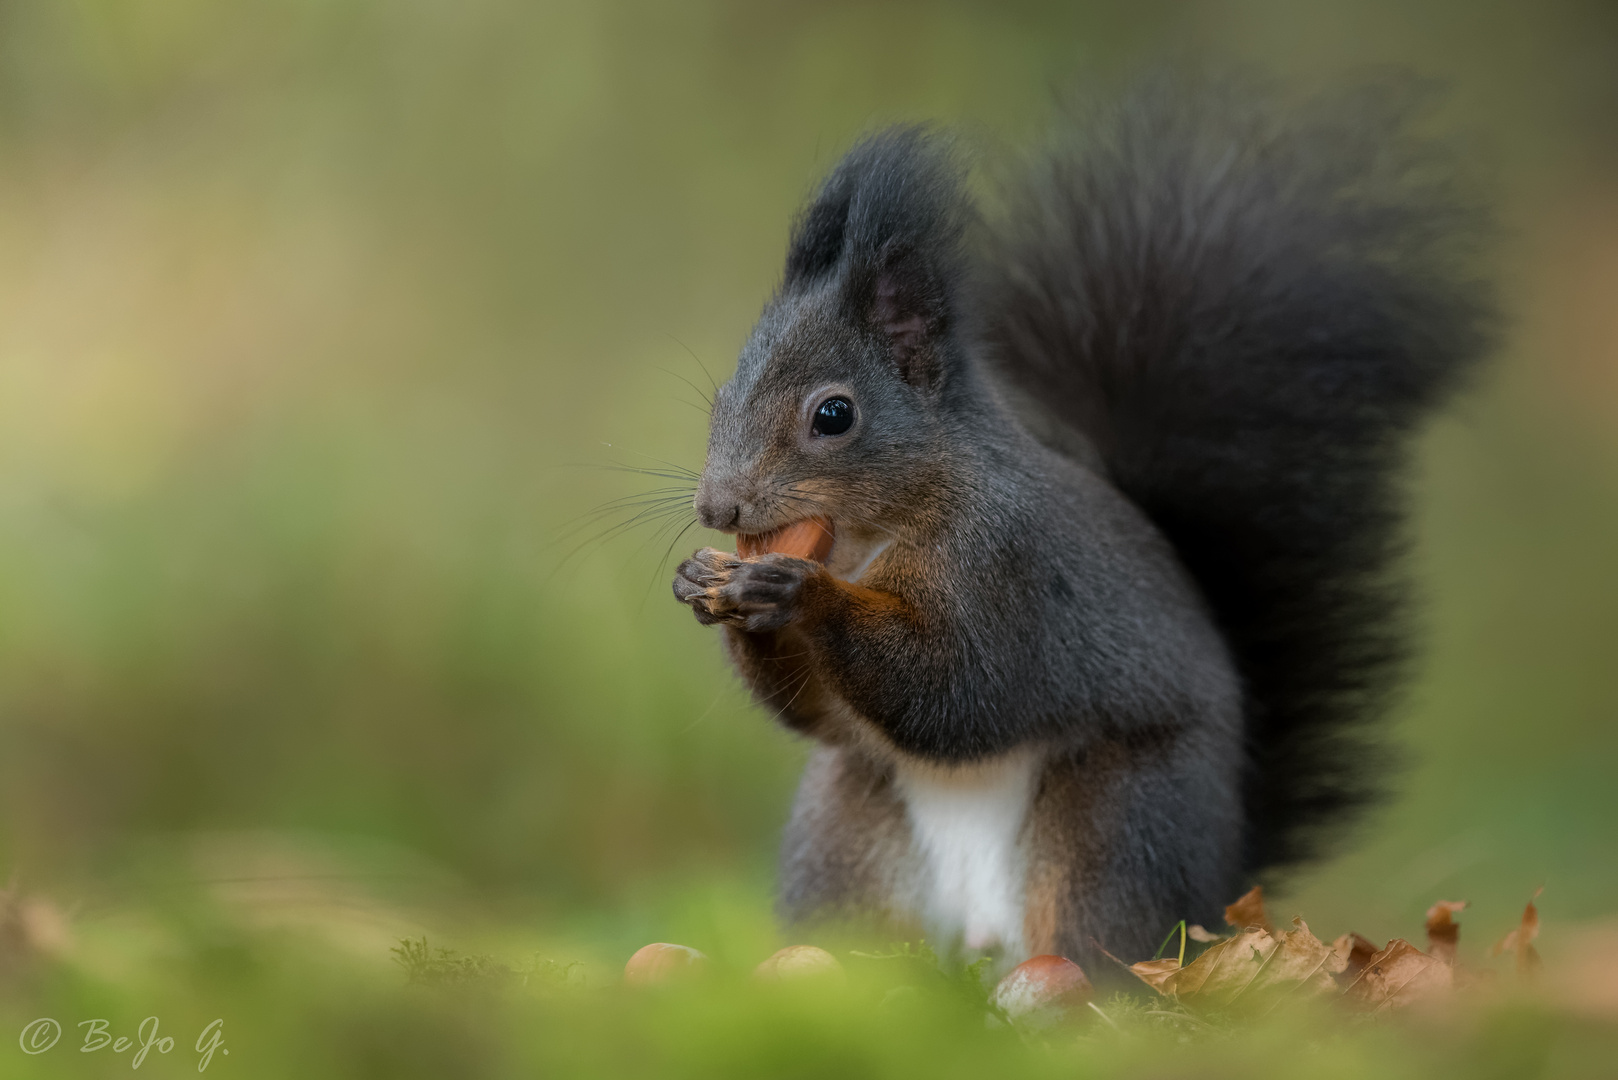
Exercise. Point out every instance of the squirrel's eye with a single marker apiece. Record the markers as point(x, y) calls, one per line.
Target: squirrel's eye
point(833, 417)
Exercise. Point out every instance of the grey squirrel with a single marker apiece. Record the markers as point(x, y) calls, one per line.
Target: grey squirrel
point(1110, 476)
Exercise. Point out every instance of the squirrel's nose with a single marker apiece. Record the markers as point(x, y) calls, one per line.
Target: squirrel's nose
point(717, 511)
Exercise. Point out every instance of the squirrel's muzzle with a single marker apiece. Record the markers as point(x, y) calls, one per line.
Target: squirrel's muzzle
point(717, 507)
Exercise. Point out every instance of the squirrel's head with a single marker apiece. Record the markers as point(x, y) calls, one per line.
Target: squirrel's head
point(841, 400)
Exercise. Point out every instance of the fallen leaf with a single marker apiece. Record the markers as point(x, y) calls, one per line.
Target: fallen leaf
point(1398, 975)
point(1196, 933)
point(1155, 973)
point(1221, 973)
point(1443, 932)
point(1521, 940)
point(1252, 969)
point(1356, 952)
point(1249, 911)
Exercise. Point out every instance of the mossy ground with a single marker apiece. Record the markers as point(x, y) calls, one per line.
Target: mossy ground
point(309, 310)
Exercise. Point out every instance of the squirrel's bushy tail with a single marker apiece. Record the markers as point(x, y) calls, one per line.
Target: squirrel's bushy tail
point(1247, 307)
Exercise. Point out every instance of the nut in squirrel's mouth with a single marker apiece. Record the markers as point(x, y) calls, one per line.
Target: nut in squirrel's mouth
point(810, 538)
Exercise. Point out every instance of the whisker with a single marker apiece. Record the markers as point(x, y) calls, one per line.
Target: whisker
point(705, 712)
point(663, 530)
point(670, 470)
point(692, 385)
point(678, 474)
point(663, 563)
point(704, 411)
point(681, 494)
point(808, 676)
point(700, 364)
point(643, 507)
point(646, 516)
point(666, 464)
point(610, 532)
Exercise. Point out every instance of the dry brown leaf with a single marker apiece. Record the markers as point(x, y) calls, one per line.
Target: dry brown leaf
point(1218, 975)
point(1258, 967)
point(1521, 940)
point(1303, 965)
point(1254, 969)
point(1398, 975)
point(1196, 933)
point(1155, 973)
point(1249, 911)
point(1443, 932)
point(1356, 952)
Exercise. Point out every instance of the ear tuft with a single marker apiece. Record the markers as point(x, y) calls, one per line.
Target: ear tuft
point(819, 238)
point(887, 227)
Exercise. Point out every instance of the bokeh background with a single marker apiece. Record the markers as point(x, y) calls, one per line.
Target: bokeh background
point(319, 322)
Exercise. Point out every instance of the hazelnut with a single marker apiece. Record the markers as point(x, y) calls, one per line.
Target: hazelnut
point(1043, 991)
point(798, 962)
point(661, 962)
point(810, 538)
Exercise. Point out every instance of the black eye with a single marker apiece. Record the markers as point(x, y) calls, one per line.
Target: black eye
point(833, 417)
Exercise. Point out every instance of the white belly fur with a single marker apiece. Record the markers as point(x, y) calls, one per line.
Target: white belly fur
point(966, 825)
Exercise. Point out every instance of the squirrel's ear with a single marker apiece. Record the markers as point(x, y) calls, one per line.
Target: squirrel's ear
point(820, 236)
point(889, 221)
point(907, 301)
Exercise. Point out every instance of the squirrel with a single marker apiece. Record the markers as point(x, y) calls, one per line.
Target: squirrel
point(1111, 475)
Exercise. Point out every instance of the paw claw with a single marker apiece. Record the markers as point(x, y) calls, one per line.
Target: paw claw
point(757, 595)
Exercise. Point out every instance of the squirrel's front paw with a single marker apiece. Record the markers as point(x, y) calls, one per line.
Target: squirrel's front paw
point(699, 580)
point(753, 594)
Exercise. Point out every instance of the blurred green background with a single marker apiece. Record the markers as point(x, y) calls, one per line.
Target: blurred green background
point(317, 320)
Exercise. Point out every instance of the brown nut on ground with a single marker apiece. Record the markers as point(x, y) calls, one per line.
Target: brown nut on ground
point(798, 962)
point(661, 962)
point(1043, 991)
point(810, 538)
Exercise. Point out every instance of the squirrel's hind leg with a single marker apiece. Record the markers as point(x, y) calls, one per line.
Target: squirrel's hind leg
point(1124, 841)
point(846, 850)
